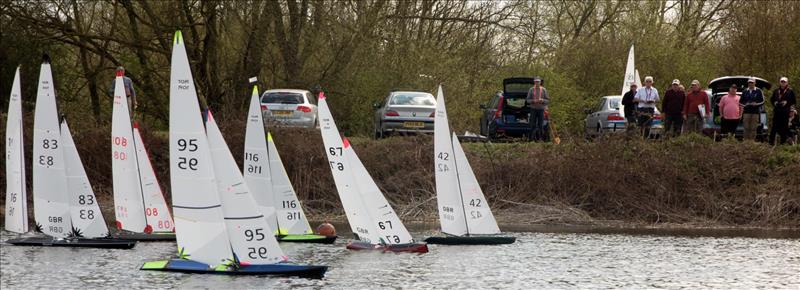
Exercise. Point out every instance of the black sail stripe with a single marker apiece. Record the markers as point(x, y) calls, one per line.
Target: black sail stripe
point(196, 207)
point(245, 217)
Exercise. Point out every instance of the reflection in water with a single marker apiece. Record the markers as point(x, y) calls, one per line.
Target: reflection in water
point(537, 260)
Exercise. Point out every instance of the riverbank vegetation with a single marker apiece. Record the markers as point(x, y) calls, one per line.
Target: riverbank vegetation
point(689, 180)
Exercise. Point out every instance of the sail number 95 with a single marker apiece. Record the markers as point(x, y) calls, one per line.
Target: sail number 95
point(187, 163)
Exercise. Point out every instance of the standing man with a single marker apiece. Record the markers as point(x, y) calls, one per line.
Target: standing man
point(129, 91)
point(692, 113)
point(731, 112)
point(646, 98)
point(630, 107)
point(752, 102)
point(672, 106)
point(782, 101)
point(538, 99)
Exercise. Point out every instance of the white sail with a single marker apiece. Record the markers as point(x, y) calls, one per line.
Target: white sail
point(390, 228)
point(291, 218)
point(128, 203)
point(87, 219)
point(357, 215)
point(638, 79)
point(156, 211)
point(448, 195)
point(256, 161)
point(199, 225)
point(630, 77)
point(16, 193)
point(252, 239)
point(50, 198)
point(480, 219)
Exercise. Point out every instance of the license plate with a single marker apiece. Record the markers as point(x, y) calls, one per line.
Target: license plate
point(282, 113)
point(413, 124)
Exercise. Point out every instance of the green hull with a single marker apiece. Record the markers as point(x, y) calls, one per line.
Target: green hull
point(316, 239)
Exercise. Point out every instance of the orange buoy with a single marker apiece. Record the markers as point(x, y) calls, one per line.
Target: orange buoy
point(326, 229)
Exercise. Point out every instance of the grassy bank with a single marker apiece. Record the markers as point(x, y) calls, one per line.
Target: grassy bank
point(688, 181)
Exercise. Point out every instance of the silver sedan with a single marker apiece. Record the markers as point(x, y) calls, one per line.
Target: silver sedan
point(289, 107)
point(404, 112)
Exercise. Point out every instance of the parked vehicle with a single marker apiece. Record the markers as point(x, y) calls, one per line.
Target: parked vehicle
point(506, 113)
point(606, 118)
point(404, 112)
point(719, 88)
point(288, 107)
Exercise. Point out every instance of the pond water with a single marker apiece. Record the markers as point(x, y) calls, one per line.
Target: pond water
point(536, 260)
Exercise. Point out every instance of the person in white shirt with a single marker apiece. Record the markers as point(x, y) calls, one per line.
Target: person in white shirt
point(646, 99)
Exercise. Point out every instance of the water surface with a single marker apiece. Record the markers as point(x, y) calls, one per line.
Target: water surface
point(536, 260)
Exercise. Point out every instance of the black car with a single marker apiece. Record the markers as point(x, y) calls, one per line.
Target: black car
point(506, 113)
point(719, 88)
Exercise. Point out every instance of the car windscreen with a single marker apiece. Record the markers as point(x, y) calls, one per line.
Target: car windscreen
point(614, 103)
point(413, 99)
point(282, 98)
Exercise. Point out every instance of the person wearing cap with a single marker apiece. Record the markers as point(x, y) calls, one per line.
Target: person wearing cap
point(129, 91)
point(752, 102)
point(538, 99)
point(696, 100)
point(646, 99)
point(672, 107)
point(730, 112)
point(630, 106)
point(782, 100)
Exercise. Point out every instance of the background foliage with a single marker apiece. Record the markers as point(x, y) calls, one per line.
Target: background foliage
point(358, 50)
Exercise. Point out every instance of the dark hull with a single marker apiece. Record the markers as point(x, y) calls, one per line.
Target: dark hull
point(189, 266)
point(142, 237)
point(102, 243)
point(398, 248)
point(471, 240)
point(313, 239)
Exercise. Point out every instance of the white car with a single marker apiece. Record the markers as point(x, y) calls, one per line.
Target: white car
point(606, 118)
point(289, 107)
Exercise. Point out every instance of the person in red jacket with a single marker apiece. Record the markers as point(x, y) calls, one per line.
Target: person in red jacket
point(696, 100)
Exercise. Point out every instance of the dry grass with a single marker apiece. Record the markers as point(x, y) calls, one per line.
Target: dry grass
point(688, 180)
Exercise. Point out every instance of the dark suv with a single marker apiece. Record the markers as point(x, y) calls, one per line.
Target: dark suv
point(506, 113)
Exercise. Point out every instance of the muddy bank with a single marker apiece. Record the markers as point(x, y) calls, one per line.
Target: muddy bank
point(687, 181)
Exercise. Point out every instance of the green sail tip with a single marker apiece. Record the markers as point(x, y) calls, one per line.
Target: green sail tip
point(269, 136)
point(255, 90)
point(178, 37)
